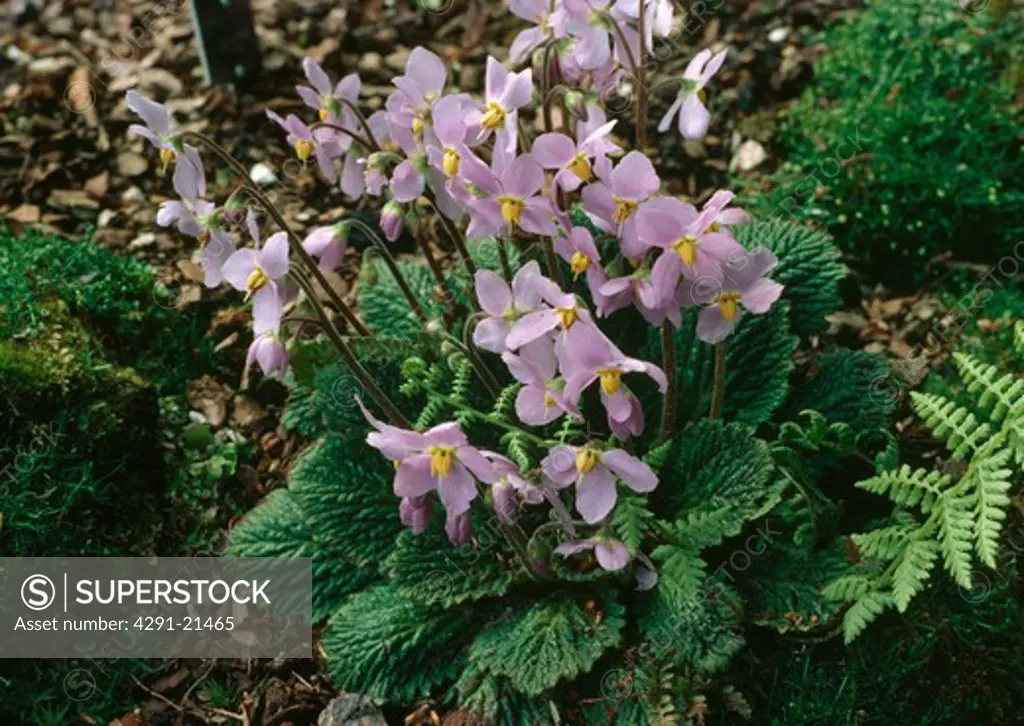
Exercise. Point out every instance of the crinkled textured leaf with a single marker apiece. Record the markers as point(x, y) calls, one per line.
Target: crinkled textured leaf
point(809, 267)
point(555, 640)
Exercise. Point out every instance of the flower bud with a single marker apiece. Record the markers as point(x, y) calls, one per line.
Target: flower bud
point(576, 102)
point(459, 530)
point(392, 220)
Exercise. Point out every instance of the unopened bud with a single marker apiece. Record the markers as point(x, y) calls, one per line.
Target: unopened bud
point(576, 102)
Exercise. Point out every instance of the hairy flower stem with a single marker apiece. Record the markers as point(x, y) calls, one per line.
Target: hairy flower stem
point(389, 260)
point(506, 264)
point(453, 233)
point(367, 131)
point(545, 86)
point(633, 68)
point(435, 267)
point(351, 134)
point(641, 80)
point(551, 261)
point(474, 357)
point(668, 364)
point(513, 534)
point(366, 381)
point(718, 391)
point(296, 244)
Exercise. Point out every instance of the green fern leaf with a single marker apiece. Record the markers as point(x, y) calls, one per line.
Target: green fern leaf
point(1018, 337)
point(883, 544)
point(955, 533)
point(848, 588)
point(1001, 395)
point(913, 570)
point(963, 433)
point(991, 482)
point(631, 519)
point(556, 639)
point(863, 612)
point(909, 488)
point(809, 267)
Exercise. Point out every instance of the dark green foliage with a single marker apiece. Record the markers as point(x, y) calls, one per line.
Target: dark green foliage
point(809, 267)
point(906, 144)
point(787, 590)
point(429, 570)
point(126, 311)
point(347, 498)
point(556, 639)
point(382, 304)
point(758, 364)
point(720, 466)
point(386, 646)
point(852, 387)
point(759, 359)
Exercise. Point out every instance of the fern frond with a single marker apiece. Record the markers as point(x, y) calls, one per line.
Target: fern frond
point(909, 487)
point(991, 482)
point(955, 534)
point(963, 433)
point(883, 544)
point(505, 402)
point(863, 612)
point(848, 588)
point(913, 570)
point(632, 519)
point(1018, 337)
point(1001, 395)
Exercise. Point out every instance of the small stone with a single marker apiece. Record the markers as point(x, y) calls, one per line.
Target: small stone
point(778, 35)
point(133, 195)
point(263, 175)
point(131, 164)
point(142, 241)
point(749, 156)
point(351, 710)
point(371, 62)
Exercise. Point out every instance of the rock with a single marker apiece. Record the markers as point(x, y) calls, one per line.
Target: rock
point(144, 240)
point(133, 195)
point(371, 62)
point(778, 35)
point(351, 710)
point(263, 175)
point(749, 156)
point(131, 164)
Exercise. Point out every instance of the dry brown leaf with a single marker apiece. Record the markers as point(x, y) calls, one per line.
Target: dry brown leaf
point(27, 213)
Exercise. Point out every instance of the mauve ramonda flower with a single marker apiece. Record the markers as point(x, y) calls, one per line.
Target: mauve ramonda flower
point(159, 131)
point(612, 203)
point(548, 19)
point(438, 459)
point(595, 358)
point(611, 554)
point(269, 352)
point(558, 151)
point(594, 473)
point(505, 94)
point(539, 401)
point(326, 245)
point(504, 304)
point(511, 491)
point(512, 198)
point(259, 272)
point(694, 116)
point(741, 286)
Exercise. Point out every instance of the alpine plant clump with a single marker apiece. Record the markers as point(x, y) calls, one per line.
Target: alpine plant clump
point(579, 397)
